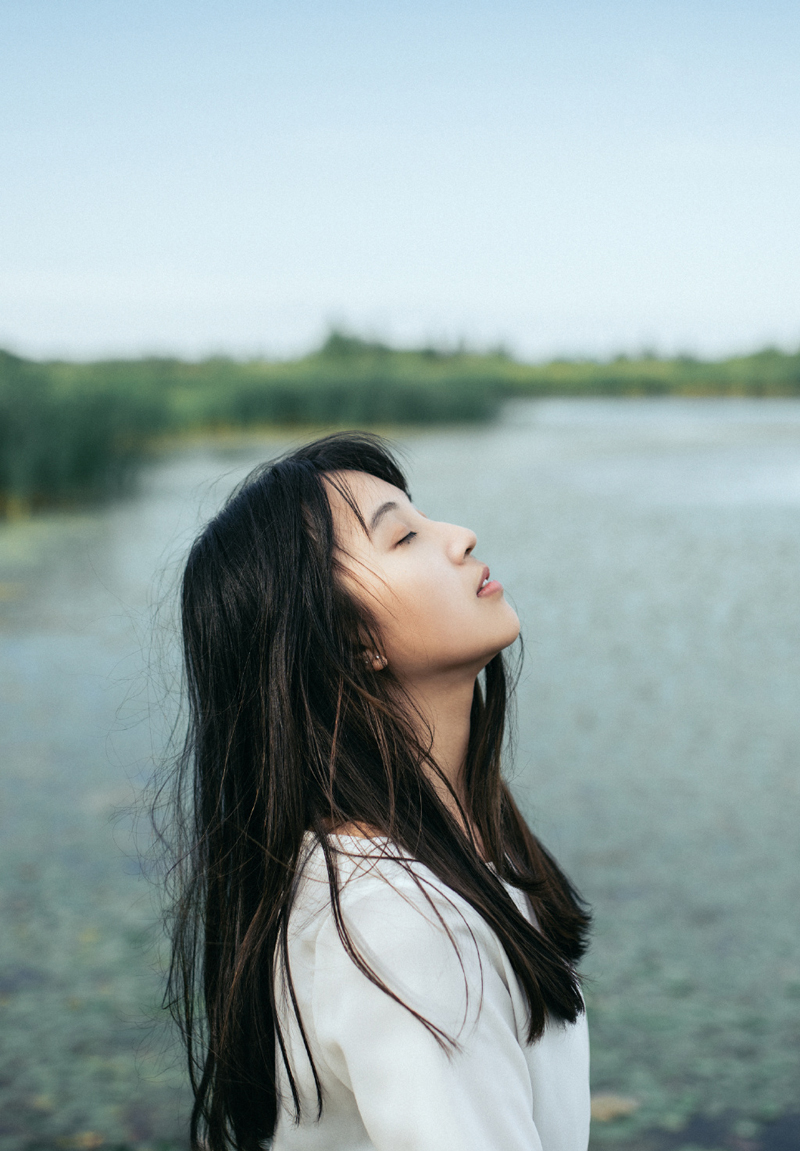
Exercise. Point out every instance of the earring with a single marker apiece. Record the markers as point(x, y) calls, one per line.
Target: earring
point(378, 662)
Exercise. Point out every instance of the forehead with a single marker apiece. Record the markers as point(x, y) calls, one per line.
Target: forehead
point(366, 492)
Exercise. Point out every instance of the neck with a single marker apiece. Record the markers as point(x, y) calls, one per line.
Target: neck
point(445, 705)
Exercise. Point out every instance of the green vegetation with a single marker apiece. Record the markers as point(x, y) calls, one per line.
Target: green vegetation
point(74, 431)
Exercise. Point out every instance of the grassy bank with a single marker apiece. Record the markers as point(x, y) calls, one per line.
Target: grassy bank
point(72, 431)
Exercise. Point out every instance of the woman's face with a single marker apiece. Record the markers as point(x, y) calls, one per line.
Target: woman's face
point(420, 582)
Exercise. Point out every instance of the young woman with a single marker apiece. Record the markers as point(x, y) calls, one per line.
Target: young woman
point(370, 947)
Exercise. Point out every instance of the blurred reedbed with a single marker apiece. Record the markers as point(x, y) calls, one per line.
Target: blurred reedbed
point(71, 432)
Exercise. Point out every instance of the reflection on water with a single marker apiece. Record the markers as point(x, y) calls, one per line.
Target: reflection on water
point(652, 549)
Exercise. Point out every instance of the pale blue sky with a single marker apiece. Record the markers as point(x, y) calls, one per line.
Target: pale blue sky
point(231, 175)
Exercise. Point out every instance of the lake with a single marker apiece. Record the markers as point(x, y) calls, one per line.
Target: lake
point(652, 548)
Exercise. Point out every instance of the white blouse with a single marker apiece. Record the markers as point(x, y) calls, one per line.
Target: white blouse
point(386, 1083)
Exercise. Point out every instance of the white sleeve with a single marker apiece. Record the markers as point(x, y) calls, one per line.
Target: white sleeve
point(412, 1095)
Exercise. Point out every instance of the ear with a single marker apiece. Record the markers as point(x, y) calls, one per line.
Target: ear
point(376, 661)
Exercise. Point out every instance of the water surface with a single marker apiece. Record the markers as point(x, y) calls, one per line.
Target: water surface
point(652, 548)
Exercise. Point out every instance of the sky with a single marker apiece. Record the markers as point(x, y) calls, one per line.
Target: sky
point(569, 178)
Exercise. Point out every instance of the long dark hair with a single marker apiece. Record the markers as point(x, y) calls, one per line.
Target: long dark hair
point(291, 730)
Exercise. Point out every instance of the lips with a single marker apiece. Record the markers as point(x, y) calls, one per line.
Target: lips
point(488, 586)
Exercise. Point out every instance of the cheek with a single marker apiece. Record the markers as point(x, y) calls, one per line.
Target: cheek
point(433, 619)
point(427, 618)
point(434, 597)
point(417, 612)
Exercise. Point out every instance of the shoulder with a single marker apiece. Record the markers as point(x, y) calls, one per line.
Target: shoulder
point(414, 933)
point(375, 877)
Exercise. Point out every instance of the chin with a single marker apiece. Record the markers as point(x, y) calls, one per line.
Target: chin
point(505, 635)
point(511, 629)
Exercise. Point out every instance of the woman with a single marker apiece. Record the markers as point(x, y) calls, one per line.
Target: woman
point(383, 954)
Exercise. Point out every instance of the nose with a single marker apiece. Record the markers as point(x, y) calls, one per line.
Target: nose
point(462, 542)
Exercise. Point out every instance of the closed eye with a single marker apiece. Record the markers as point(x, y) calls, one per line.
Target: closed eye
point(406, 539)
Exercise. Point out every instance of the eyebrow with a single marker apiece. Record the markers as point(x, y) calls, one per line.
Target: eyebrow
point(379, 513)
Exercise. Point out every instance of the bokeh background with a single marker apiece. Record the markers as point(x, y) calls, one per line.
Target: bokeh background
point(554, 252)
